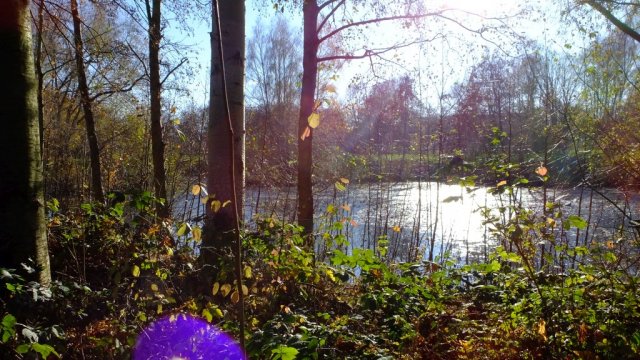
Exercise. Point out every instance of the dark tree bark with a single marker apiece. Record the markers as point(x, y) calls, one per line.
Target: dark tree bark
point(221, 221)
point(87, 107)
point(23, 231)
point(155, 87)
point(307, 98)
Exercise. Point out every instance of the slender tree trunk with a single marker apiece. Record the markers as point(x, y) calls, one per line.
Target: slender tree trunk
point(85, 99)
point(155, 88)
point(23, 231)
point(221, 222)
point(39, 73)
point(307, 99)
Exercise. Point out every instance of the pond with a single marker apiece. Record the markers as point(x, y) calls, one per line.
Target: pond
point(423, 220)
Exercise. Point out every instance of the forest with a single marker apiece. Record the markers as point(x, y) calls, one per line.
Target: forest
point(319, 179)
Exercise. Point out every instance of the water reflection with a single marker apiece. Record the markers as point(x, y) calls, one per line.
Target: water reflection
point(423, 220)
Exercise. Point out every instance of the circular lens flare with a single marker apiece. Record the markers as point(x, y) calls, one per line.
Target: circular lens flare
point(183, 337)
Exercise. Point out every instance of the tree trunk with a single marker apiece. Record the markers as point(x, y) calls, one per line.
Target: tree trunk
point(222, 170)
point(155, 87)
point(85, 99)
point(23, 231)
point(307, 98)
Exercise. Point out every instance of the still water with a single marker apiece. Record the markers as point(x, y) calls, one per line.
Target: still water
point(423, 220)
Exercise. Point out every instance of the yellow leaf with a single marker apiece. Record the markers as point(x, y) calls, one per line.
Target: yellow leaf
point(207, 315)
point(183, 229)
point(235, 297)
point(135, 271)
point(502, 183)
point(159, 309)
point(344, 180)
point(215, 288)
point(306, 133)
point(396, 228)
point(225, 290)
point(247, 272)
point(197, 233)
point(330, 275)
point(218, 313)
point(542, 329)
point(216, 205)
point(195, 189)
point(226, 203)
point(245, 290)
point(542, 171)
point(313, 120)
point(154, 287)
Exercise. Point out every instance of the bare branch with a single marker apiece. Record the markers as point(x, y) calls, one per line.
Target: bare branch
point(614, 20)
point(182, 62)
point(378, 20)
point(329, 15)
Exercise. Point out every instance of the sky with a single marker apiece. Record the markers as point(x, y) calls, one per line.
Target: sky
point(441, 63)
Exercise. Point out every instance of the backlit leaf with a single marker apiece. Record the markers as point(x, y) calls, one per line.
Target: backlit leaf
point(215, 288)
point(225, 290)
point(340, 186)
point(135, 271)
point(235, 297)
point(314, 120)
point(197, 233)
point(195, 189)
point(502, 183)
point(542, 171)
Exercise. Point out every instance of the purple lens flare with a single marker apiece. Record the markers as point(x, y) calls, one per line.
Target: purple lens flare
point(183, 337)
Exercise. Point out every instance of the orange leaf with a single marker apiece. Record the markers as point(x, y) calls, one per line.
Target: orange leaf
point(306, 133)
point(542, 171)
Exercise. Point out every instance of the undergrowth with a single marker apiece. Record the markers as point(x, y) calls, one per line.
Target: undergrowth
point(118, 268)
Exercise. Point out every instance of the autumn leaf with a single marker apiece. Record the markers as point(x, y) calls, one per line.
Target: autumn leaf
point(225, 290)
point(542, 171)
point(344, 180)
point(235, 297)
point(215, 288)
point(397, 228)
point(306, 133)
point(502, 183)
point(195, 190)
point(314, 120)
point(542, 329)
point(135, 271)
point(197, 234)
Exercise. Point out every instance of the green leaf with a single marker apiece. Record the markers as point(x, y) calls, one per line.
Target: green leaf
point(284, 353)
point(22, 349)
point(44, 350)
point(576, 222)
point(8, 321)
point(182, 230)
point(340, 186)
